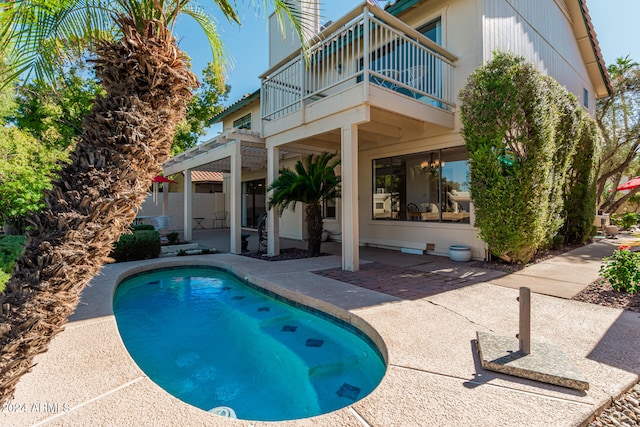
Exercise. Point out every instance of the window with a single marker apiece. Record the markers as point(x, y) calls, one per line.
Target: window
point(243, 122)
point(430, 186)
point(432, 30)
point(253, 202)
point(585, 98)
point(329, 209)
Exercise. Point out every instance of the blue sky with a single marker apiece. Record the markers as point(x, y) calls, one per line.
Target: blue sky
point(615, 22)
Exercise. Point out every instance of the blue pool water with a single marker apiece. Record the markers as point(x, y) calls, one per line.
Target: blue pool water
point(214, 341)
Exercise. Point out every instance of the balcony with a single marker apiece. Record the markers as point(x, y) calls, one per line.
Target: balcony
point(366, 45)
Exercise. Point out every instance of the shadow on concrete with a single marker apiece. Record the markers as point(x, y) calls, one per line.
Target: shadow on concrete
point(624, 330)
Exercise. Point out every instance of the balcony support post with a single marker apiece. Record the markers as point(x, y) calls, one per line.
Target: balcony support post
point(366, 61)
point(273, 221)
point(349, 199)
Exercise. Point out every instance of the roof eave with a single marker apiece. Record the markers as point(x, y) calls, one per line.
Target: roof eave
point(596, 66)
point(242, 102)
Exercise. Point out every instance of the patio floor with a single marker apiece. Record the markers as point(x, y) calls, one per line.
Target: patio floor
point(425, 311)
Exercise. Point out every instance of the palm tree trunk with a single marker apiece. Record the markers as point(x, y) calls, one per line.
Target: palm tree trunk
point(125, 139)
point(314, 228)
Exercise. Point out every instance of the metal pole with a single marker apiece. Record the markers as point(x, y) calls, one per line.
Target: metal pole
point(525, 320)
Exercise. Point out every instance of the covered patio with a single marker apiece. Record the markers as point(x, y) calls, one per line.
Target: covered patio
point(232, 153)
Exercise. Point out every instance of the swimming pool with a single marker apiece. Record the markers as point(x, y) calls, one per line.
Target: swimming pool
point(222, 345)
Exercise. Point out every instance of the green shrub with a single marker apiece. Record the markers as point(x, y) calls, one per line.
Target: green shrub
point(172, 238)
point(580, 191)
point(622, 270)
point(507, 126)
point(10, 249)
point(558, 241)
point(141, 227)
point(4, 278)
point(142, 244)
point(625, 221)
point(521, 130)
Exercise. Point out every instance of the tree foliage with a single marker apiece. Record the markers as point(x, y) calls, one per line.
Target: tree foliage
point(26, 165)
point(580, 194)
point(312, 181)
point(521, 129)
point(618, 117)
point(206, 103)
point(52, 110)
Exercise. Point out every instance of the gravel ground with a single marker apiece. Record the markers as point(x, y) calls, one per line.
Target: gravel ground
point(623, 412)
point(600, 292)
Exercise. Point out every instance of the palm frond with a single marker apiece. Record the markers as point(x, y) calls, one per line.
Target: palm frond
point(207, 23)
point(312, 180)
point(39, 36)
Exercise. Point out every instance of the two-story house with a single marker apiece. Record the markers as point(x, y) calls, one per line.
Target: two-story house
point(379, 87)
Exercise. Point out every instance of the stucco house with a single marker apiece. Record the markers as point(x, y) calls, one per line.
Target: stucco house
point(379, 87)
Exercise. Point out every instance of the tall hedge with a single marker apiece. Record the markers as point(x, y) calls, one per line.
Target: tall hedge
point(521, 129)
point(580, 198)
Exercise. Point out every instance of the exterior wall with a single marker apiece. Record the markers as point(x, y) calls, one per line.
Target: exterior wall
point(541, 32)
point(204, 206)
point(407, 234)
point(253, 108)
point(461, 32)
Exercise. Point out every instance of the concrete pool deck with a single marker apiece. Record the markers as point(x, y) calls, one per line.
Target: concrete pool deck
point(434, 375)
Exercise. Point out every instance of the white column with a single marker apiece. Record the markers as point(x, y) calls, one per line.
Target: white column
point(273, 220)
point(235, 196)
point(165, 198)
point(188, 205)
point(350, 226)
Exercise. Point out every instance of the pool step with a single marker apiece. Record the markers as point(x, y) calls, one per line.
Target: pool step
point(332, 368)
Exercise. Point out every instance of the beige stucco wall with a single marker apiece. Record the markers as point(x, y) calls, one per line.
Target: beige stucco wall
point(253, 108)
point(204, 206)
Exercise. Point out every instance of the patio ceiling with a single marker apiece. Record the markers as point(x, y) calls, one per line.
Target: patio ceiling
point(212, 156)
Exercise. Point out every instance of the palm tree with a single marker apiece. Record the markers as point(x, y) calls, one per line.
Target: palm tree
point(313, 181)
point(125, 138)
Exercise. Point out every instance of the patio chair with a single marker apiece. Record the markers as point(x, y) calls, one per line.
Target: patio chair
point(413, 212)
point(220, 216)
point(161, 223)
point(262, 232)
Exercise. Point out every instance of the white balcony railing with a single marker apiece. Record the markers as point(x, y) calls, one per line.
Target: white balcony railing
point(367, 45)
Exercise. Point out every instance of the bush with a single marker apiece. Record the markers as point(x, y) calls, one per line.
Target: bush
point(4, 278)
point(625, 221)
point(172, 238)
point(141, 244)
point(580, 194)
point(509, 126)
point(10, 249)
point(558, 241)
point(622, 270)
point(141, 227)
point(521, 130)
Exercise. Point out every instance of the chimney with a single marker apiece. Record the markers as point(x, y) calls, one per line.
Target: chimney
point(282, 45)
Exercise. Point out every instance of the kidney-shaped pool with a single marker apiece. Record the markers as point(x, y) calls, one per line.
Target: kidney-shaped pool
point(223, 345)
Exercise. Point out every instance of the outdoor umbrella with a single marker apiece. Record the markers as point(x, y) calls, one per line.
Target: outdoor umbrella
point(156, 180)
point(630, 185)
point(161, 178)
